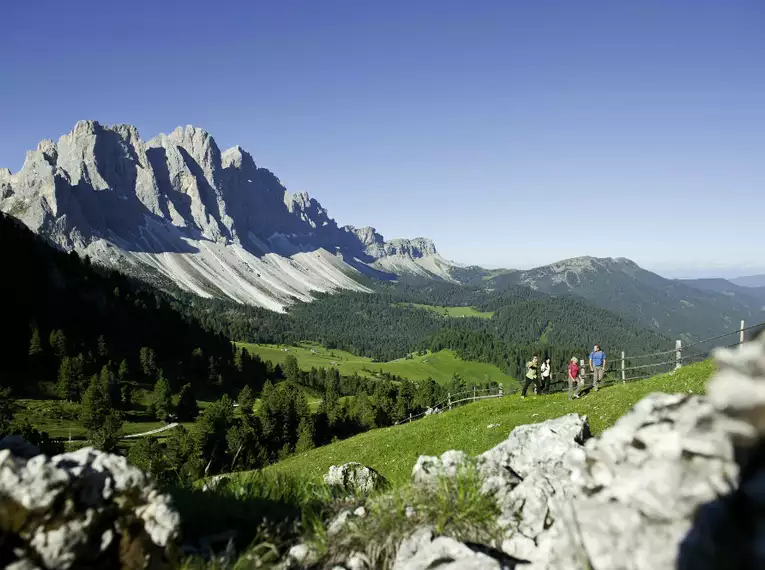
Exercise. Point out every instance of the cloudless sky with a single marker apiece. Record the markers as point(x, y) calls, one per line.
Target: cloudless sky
point(512, 132)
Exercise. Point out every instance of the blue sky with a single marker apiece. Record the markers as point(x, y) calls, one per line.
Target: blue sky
point(513, 133)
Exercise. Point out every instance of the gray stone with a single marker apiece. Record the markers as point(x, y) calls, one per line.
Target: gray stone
point(300, 555)
point(114, 514)
point(354, 478)
point(422, 552)
point(339, 522)
point(215, 483)
point(358, 561)
point(428, 469)
point(638, 486)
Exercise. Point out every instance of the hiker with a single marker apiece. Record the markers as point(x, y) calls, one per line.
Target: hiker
point(574, 378)
point(545, 370)
point(597, 366)
point(531, 375)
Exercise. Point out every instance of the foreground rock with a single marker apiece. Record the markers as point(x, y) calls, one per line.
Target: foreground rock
point(83, 509)
point(676, 483)
point(355, 478)
point(528, 474)
point(637, 487)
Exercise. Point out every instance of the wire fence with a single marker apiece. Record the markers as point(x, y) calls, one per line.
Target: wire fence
point(621, 369)
point(456, 399)
point(618, 370)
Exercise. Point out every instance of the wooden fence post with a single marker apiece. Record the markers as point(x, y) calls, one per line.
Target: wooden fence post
point(741, 334)
point(501, 390)
point(474, 392)
point(678, 353)
point(410, 417)
point(449, 400)
point(623, 376)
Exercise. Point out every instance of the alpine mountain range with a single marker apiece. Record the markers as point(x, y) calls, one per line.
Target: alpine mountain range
point(176, 210)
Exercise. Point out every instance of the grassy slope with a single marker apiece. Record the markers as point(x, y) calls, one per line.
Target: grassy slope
point(440, 365)
point(453, 311)
point(393, 451)
point(61, 419)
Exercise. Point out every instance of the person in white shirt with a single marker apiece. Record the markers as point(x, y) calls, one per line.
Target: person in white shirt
point(545, 370)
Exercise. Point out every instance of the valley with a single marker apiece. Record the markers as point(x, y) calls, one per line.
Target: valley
point(440, 366)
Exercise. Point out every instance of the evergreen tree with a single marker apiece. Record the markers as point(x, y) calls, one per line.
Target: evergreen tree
point(162, 399)
point(106, 436)
point(306, 435)
point(103, 349)
point(148, 361)
point(35, 344)
point(291, 368)
point(70, 378)
point(123, 372)
point(109, 379)
point(187, 409)
point(6, 410)
point(96, 405)
point(246, 401)
point(58, 343)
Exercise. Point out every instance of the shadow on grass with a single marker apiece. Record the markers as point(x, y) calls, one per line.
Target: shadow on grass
point(272, 510)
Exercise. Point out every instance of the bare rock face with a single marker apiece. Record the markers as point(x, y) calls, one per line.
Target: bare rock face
point(83, 509)
point(638, 486)
point(354, 478)
point(178, 208)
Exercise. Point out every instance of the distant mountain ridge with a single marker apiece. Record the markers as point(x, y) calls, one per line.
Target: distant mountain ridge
point(688, 310)
point(749, 281)
point(177, 208)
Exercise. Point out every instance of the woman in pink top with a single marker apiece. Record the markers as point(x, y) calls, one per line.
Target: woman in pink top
point(573, 378)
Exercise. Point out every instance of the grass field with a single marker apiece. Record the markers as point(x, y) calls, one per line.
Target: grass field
point(440, 365)
point(451, 311)
point(393, 451)
point(61, 419)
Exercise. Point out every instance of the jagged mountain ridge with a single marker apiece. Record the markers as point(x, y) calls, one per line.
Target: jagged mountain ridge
point(177, 209)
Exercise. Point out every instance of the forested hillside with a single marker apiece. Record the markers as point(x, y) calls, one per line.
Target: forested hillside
point(65, 320)
point(388, 324)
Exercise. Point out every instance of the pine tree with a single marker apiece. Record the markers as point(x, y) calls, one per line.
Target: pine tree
point(96, 405)
point(148, 359)
point(123, 372)
point(161, 401)
point(35, 344)
point(291, 368)
point(187, 408)
point(103, 349)
point(109, 380)
point(69, 385)
point(6, 410)
point(58, 343)
point(306, 436)
point(246, 401)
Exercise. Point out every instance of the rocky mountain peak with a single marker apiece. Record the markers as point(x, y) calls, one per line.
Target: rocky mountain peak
point(237, 157)
point(417, 247)
point(178, 206)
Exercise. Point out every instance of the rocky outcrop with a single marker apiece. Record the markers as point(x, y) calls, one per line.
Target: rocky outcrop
point(424, 551)
point(636, 488)
point(354, 478)
point(675, 483)
point(83, 509)
point(178, 208)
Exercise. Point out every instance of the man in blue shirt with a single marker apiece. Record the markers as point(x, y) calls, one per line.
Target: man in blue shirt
point(597, 365)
